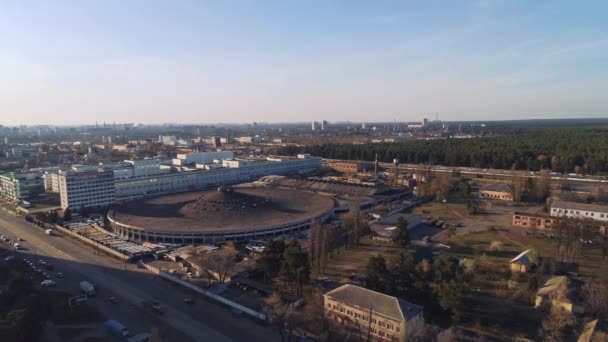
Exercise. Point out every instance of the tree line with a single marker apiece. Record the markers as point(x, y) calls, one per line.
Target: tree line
point(565, 150)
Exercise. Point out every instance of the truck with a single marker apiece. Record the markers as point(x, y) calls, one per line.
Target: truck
point(49, 232)
point(116, 328)
point(87, 288)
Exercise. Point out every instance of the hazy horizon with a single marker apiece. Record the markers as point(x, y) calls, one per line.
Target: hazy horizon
point(70, 63)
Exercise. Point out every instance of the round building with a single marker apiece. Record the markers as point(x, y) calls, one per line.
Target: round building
point(218, 215)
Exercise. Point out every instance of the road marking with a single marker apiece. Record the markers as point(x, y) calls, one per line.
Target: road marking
point(39, 244)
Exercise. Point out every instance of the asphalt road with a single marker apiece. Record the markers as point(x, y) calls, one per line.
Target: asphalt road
point(203, 321)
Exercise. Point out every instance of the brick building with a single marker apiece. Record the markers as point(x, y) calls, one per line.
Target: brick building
point(356, 310)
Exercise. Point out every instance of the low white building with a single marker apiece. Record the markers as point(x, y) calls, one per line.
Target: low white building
point(201, 157)
point(576, 210)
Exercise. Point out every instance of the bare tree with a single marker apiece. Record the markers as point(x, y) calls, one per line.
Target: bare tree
point(279, 313)
point(448, 335)
point(542, 186)
point(314, 246)
point(347, 223)
point(553, 326)
point(220, 262)
point(595, 295)
point(518, 184)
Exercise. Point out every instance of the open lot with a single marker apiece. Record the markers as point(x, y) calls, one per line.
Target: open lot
point(347, 263)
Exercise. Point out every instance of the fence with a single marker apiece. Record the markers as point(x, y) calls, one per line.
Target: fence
point(93, 243)
point(211, 295)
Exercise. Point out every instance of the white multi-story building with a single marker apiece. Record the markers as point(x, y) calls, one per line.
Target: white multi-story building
point(51, 182)
point(90, 186)
point(594, 212)
point(201, 157)
point(86, 188)
point(233, 172)
point(149, 167)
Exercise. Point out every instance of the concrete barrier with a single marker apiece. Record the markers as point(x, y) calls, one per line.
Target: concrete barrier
point(204, 292)
point(93, 243)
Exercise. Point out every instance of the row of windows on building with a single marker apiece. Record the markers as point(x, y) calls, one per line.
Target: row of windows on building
point(577, 212)
point(365, 318)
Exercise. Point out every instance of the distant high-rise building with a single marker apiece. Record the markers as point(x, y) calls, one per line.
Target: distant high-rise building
point(323, 125)
point(425, 122)
point(314, 125)
point(363, 125)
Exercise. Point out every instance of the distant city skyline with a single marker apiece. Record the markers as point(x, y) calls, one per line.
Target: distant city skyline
point(77, 62)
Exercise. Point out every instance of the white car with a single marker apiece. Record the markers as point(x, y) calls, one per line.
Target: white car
point(48, 283)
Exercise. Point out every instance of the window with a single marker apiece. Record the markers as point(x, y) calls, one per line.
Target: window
point(389, 326)
point(382, 324)
point(329, 305)
point(397, 329)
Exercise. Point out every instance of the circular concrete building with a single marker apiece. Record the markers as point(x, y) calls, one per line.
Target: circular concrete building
point(218, 215)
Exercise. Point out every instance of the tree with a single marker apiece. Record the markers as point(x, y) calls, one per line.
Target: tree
point(347, 223)
point(375, 274)
point(67, 214)
point(279, 312)
point(465, 188)
point(220, 262)
point(403, 235)
point(595, 295)
point(448, 335)
point(83, 211)
point(541, 189)
point(404, 274)
point(295, 267)
point(271, 258)
point(553, 327)
point(451, 295)
point(446, 268)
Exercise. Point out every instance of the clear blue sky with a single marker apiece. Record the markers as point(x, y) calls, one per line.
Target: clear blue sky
point(232, 61)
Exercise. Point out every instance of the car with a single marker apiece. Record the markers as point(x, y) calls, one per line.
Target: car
point(41, 262)
point(60, 275)
point(48, 283)
point(190, 275)
point(189, 301)
point(19, 239)
point(172, 272)
point(113, 300)
point(9, 258)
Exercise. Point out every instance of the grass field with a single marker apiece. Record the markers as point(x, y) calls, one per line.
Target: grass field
point(347, 263)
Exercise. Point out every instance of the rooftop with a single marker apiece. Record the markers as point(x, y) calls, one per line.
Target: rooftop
point(236, 209)
point(379, 303)
point(497, 188)
point(522, 257)
point(598, 208)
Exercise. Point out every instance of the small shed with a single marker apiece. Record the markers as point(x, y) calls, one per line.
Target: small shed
point(521, 263)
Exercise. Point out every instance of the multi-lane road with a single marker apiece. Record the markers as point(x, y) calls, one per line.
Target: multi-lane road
point(203, 321)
